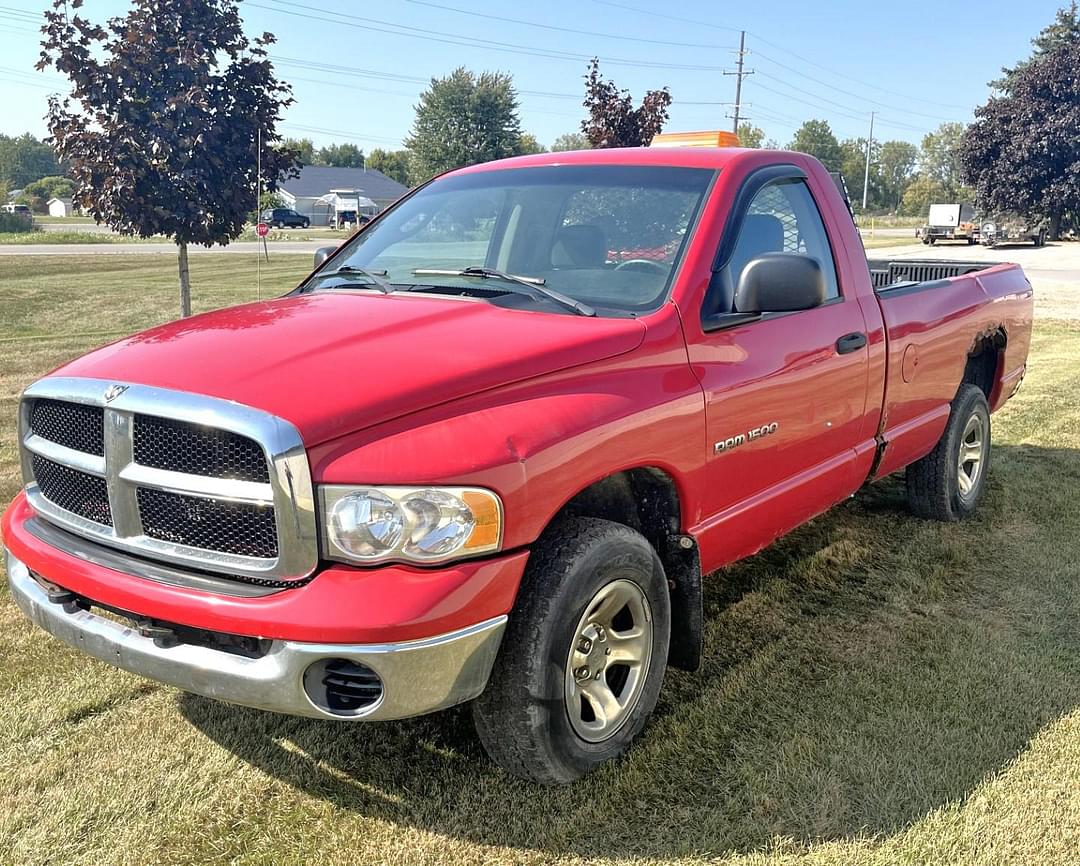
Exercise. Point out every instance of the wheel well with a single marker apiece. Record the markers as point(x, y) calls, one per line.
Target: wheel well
point(647, 500)
point(983, 361)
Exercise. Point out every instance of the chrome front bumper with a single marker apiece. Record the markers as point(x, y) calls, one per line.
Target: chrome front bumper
point(418, 676)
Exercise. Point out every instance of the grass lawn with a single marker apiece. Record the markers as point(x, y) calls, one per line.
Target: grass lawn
point(876, 688)
point(70, 220)
point(879, 242)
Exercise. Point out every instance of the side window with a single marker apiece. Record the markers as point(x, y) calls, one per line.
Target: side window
point(783, 218)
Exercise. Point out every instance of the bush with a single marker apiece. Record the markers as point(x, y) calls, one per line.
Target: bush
point(11, 223)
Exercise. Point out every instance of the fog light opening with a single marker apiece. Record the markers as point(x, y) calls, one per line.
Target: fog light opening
point(343, 687)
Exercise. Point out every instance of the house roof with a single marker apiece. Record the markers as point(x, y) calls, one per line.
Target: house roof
point(318, 180)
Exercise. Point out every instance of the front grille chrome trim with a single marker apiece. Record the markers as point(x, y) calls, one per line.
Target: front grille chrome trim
point(57, 453)
point(289, 490)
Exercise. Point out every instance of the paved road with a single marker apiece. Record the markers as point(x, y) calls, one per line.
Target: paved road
point(241, 247)
point(83, 228)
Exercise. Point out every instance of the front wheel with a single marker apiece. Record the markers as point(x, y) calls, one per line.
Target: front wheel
point(584, 654)
point(948, 482)
point(305, 224)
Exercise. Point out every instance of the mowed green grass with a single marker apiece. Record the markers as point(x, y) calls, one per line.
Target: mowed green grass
point(876, 688)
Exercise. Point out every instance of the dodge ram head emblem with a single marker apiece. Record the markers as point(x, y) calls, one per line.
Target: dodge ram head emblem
point(114, 391)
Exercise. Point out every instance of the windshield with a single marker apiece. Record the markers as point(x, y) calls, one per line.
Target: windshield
point(608, 236)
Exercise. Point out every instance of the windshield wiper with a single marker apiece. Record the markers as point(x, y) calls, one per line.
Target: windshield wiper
point(535, 285)
point(375, 276)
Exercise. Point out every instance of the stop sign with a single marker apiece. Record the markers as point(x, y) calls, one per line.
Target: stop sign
point(262, 230)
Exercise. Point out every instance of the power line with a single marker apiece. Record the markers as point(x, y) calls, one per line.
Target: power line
point(714, 26)
point(369, 24)
point(539, 25)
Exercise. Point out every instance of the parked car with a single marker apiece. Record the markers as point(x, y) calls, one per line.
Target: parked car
point(1011, 228)
point(344, 218)
point(283, 217)
point(950, 222)
point(471, 458)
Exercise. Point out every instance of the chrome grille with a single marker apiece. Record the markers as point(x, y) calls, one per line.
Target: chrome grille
point(181, 446)
point(178, 477)
point(74, 491)
point(73, 425)
point(232, 527)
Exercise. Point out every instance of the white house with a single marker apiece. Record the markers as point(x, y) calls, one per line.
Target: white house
point(59, 207)
point(322, 190)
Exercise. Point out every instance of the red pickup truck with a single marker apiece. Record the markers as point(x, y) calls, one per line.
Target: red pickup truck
point(487, 449)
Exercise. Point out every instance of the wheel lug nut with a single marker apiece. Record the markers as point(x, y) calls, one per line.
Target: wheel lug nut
point(598, 673)
point(584, 645)
point(607, 652)
point(582, 673)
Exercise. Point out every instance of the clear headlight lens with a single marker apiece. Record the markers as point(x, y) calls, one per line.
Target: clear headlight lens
point(417, 524)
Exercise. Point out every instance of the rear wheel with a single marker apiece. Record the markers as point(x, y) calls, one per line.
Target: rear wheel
point(948, 482)
point(583, 658)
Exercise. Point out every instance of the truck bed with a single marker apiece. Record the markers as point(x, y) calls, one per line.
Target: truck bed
point(892, 274)
point(937, 315)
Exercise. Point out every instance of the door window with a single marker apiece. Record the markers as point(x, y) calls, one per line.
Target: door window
point(781, 218)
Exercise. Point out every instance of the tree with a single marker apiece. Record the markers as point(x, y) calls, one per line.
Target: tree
point(1022, 151)
point(613, 121)
point(922, 192)
point(896, 164)
point(464, 119)
point(940, 159)
point(37, 193)
point(751, 136)
point(393, 163)
point(853, 169)
point(816, 138)
point(341, 155)
point(167, 103)
point(303, 147)
point(25, 159)
point(570, 141)
point(529, 144)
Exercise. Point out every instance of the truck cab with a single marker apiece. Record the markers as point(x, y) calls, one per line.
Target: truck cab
point(490, 448)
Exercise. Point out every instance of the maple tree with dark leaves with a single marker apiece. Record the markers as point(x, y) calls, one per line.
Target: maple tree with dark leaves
point(613, 121)
point(1022, 153)
point(160, 127)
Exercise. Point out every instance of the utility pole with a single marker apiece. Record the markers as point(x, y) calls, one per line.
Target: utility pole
point(866, 174)
point(739, 76)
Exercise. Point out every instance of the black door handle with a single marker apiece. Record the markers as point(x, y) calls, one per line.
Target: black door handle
point(850, 343)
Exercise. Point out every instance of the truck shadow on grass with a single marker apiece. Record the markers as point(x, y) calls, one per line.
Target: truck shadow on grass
point(860, 673)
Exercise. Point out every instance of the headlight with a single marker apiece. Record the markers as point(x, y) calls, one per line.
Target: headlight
point(409, 524)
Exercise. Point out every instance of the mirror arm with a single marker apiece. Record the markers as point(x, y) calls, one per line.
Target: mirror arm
point(719, 321)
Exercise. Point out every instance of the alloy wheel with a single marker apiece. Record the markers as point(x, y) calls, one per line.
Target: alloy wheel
point(608, 661)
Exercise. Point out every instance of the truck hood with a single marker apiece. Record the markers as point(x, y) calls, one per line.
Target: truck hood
point(333, 364)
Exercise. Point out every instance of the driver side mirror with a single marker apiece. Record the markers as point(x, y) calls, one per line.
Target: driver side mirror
point(323, 253)
point(780, 283)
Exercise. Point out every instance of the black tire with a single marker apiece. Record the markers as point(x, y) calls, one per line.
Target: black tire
point(934, 488)
point(280, 224)
point(305, 224)
point(522, 717)
point(932, 241)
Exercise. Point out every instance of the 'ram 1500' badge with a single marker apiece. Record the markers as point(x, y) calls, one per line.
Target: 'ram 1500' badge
point(742, 438)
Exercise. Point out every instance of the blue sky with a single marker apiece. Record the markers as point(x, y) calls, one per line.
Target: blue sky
point(357, 68)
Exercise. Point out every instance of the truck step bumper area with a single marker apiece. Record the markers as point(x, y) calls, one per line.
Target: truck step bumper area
point(329, 681)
